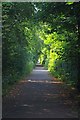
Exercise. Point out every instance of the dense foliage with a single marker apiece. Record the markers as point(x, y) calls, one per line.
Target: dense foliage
point(48, 31)
point(21, 45)
point(61, 38)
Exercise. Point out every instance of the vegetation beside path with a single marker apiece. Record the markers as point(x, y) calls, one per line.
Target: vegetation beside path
point(48, 32)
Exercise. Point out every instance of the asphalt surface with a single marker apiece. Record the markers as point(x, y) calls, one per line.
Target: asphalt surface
point(38, 96)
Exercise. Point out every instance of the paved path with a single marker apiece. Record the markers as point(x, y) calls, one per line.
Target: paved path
point(38, 96)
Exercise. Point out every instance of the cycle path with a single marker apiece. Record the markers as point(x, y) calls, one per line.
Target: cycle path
point(38, 96)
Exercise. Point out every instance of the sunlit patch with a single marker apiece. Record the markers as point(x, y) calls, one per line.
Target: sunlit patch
point(46, 110)
point(29, 80)
point(44, 81)
point(23, 81)
point(73, 88)
point(52, 95)
point(26, 105)
point(41, 81)
point(57, 82)
point(68, 102)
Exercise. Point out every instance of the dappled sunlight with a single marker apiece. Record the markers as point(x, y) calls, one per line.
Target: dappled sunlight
point(52, 94)
point(44, 81)
point(40, 59)
point(55, 95)
point(27, 105)
point(41, 81)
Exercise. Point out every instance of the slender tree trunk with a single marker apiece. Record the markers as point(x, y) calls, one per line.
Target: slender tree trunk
point(77, 14)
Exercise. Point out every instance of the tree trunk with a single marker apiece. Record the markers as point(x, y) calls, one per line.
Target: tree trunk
point(77, 14)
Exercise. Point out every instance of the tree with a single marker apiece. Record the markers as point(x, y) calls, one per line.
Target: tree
point(21, 43)
point(63, 19)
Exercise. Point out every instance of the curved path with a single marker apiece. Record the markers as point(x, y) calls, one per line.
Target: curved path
point(38, 96)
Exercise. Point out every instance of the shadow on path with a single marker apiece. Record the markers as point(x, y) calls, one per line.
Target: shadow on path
point(38, 96)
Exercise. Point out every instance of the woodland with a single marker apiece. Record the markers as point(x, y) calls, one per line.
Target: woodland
point(44, 31)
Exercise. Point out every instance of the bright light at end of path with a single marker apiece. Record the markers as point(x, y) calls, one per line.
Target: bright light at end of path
point(41, 70)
